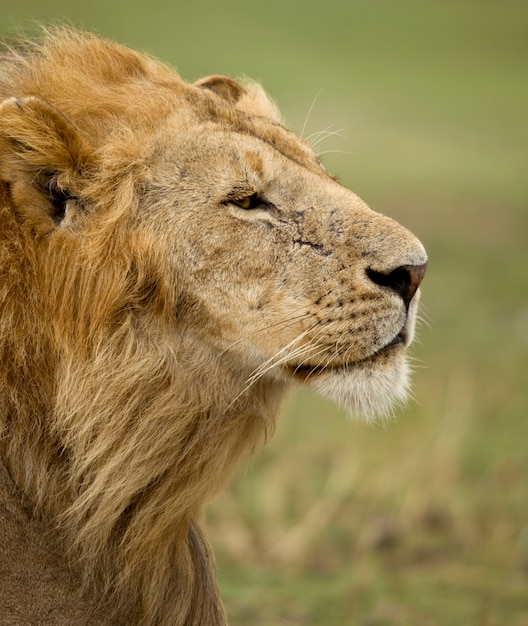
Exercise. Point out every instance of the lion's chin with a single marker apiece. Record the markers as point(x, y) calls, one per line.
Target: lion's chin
point(372, 387)
point(369, 389)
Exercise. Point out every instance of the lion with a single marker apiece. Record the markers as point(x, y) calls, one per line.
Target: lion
point(173, 260)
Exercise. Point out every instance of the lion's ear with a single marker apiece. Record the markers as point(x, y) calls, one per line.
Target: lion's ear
point(227, 88)
point(249, 97)
point(42, 156)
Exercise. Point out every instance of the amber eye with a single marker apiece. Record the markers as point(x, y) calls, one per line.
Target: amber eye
point(250, 202)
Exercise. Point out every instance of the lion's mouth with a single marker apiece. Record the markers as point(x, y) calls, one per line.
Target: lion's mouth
point(304, 371)
point(400, 339)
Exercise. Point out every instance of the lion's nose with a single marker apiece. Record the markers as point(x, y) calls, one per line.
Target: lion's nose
point(403, 280)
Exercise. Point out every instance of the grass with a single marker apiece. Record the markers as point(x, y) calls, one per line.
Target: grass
point(363, 526)
point(421, 521)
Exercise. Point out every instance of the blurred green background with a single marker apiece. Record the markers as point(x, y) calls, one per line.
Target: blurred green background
point(422, 109)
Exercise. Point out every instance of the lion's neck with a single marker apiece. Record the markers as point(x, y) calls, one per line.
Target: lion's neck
point(143, 445)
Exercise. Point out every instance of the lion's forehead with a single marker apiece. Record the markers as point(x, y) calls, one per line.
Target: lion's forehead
point(214, 122)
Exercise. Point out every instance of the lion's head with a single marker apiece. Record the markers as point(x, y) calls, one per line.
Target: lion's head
point(173, 258)
point(291, 275)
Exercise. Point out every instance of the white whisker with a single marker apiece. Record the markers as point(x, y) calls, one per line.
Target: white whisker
point(290, 321)
point(310, 112)
point(333, 152)
point(273, 362)
point(311, 355)
point(316, 138)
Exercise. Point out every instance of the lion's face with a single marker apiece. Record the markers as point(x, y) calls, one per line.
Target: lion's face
point(280, 271)
point(288, 271)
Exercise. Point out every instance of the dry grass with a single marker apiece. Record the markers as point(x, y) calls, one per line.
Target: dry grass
point(386, 525)
point(307, 479)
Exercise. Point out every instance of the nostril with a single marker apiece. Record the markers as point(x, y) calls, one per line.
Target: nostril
point(403, 280)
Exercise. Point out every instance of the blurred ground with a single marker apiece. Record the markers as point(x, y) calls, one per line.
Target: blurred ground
point(424, 520)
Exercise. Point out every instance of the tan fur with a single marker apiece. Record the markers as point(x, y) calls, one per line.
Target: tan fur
point(150, 324)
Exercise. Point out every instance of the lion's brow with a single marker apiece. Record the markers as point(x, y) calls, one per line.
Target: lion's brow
point(282, 147)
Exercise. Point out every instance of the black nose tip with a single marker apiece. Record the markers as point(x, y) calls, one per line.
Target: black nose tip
point(403, 280)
